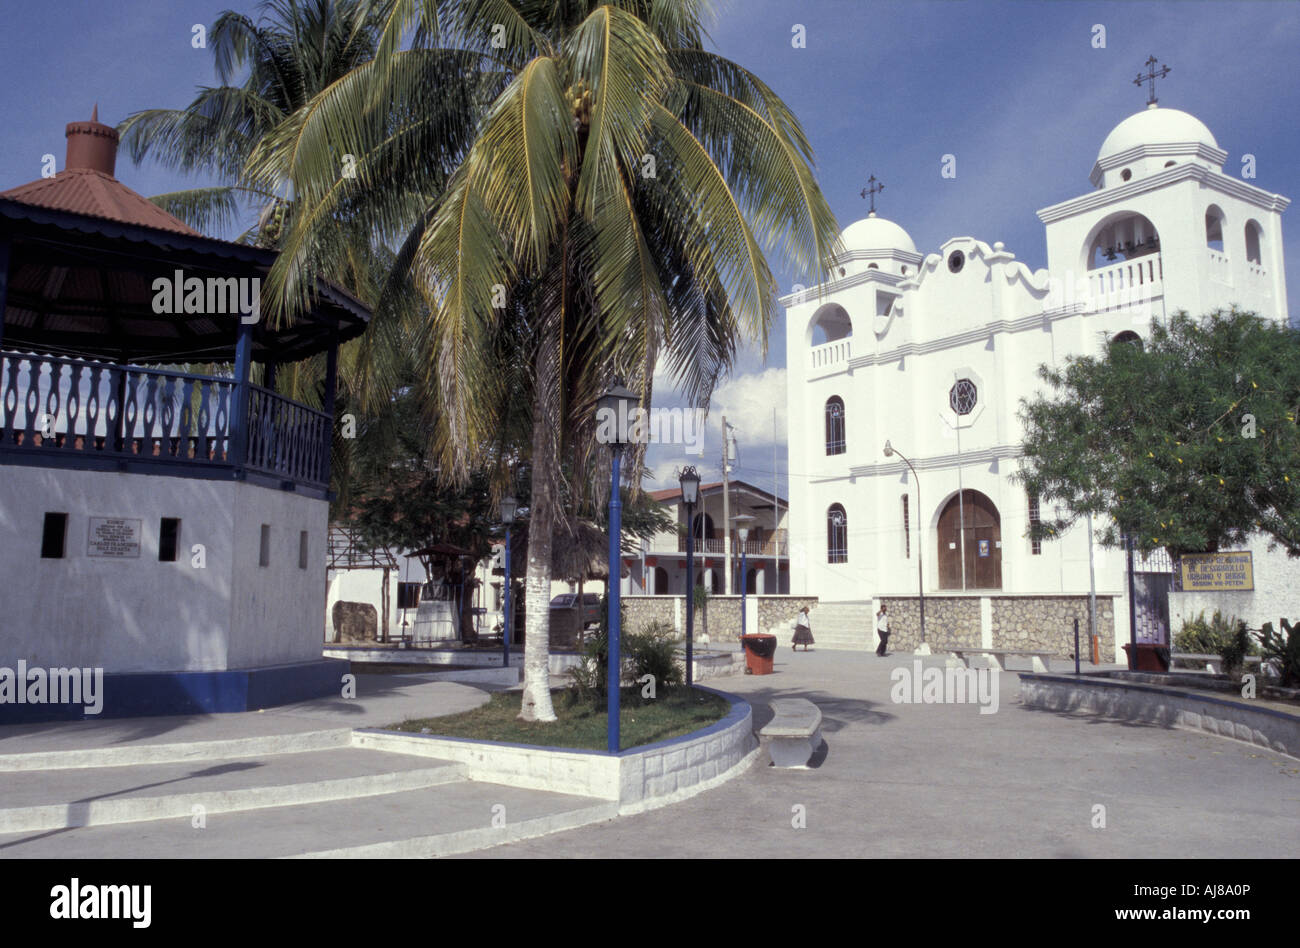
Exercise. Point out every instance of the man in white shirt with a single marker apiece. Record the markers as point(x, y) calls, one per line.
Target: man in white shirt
point(882, 629)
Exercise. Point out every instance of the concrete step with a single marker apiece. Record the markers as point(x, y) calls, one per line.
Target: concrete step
point(451, 818)
point(60, 799)
point(174, 752)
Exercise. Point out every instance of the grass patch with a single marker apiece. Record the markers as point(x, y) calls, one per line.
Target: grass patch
point(675, 712)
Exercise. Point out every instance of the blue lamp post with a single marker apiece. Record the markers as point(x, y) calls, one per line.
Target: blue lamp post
point(614, 406)
point(508, 507)
point(690, 481)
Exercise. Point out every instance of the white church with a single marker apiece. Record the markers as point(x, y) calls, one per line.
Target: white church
point(933, 353)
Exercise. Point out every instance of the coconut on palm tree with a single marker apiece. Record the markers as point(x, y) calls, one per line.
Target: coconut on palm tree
point(619, 182)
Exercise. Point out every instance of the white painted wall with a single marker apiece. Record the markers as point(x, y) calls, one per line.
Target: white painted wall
point(995, 322)
point(140, 614)
point(1276, 594)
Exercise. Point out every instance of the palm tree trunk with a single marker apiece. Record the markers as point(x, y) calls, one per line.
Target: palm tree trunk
point(541, 526)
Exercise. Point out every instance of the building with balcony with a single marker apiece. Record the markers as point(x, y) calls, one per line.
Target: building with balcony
point(934, 352)
point(163, 508)
point(660, 569)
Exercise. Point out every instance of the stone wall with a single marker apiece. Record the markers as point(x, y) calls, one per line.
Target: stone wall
point(642, 610)
point(1046, 623)
point(723, 620)
point(1039, 623)
point(949, 621)
point(781, 611)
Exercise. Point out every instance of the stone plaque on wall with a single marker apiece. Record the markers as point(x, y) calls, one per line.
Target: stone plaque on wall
point(114, 537)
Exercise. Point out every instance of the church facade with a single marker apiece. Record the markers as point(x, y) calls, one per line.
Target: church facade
point(933, 353)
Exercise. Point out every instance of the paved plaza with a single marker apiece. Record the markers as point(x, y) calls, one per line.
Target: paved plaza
point(946, 781)
point(892, 780)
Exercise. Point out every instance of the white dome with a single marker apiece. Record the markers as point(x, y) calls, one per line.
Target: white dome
point(1156, 127)
point(876, 233)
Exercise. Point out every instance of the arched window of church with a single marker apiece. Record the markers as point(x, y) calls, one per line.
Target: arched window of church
point(837, 535)
point(1254, 242)
point(831, 323)
point(834, 425)
point(1123, 236)
point(1214, 228)
point(1129, 337)
point(907, 531)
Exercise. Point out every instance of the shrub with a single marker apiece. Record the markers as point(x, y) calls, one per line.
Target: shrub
point(657, 628)
point(588, 678)
point(649, 653)
point(1226, 637)
point(652, 651)
point(1283, 648)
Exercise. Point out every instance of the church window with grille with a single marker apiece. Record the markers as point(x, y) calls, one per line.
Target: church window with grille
point(907, 532)
point(1035, 545)
point(835, 425)
point(962, 397)
point(837, 535)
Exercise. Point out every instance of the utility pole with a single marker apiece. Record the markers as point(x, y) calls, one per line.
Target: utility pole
point(776, 519)
point(726, 505)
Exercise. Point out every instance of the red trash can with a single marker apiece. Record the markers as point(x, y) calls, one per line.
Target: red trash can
point(759, 650)
point(1151, 657)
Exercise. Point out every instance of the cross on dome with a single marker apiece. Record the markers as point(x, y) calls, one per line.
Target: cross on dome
point(1151, 77)
point(874, 189)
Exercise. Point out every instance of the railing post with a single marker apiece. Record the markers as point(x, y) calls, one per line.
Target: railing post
point(240, 426)
point(331, 378)
point(4, 285)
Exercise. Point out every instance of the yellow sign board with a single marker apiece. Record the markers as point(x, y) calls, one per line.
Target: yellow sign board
point(1217, 572)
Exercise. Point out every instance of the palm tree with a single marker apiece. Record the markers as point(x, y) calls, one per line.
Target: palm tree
point(271, 69)
point(618, 182)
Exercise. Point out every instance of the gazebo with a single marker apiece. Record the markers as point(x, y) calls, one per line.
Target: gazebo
point(163, 519)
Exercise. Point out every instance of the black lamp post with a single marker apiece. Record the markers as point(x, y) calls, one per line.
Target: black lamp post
point(508, 507)
point(890, 451)
point(614, 406)
point(690, 481)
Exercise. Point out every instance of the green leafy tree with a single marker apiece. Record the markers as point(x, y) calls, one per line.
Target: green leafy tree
point(1188, 443)
point(617, 182)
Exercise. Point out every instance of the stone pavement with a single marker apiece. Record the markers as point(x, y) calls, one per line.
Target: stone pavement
point(912, 780)
point(893, 780)
point(381, 700)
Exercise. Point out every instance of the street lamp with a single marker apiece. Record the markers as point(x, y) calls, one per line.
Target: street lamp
point(890, 451)
point(742, 522)
point(614, 406)
point(690, 481)
point(508, 508)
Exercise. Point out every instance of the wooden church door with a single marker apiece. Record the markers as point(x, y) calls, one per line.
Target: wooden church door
point(983, 553)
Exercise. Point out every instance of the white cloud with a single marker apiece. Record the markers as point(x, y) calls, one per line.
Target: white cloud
point(748, 401)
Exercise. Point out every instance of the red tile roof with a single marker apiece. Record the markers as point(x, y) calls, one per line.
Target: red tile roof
point(673, 493)
point(82, 191)
point(87, 186)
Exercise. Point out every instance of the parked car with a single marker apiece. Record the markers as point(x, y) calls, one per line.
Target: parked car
point(590, 606)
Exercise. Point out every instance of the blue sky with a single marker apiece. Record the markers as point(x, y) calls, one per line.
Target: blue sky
point(1015, 90)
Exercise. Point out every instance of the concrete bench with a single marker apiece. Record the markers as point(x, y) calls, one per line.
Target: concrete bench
point(998, 657)
point(1213, 663)
point(794, 734)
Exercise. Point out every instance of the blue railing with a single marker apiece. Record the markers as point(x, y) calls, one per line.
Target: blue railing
point(79, 413)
